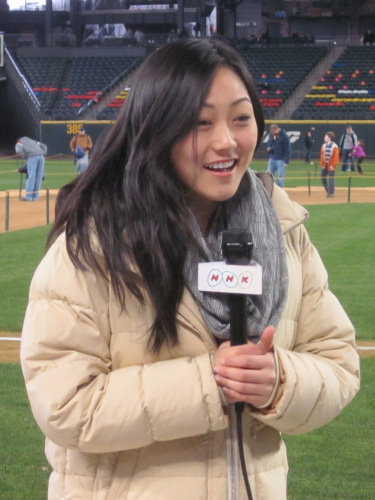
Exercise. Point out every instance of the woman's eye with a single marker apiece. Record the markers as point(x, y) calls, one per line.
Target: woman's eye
point(203, 123)
point(244, 118)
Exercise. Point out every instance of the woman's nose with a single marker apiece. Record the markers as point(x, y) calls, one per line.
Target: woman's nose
point(223, 138)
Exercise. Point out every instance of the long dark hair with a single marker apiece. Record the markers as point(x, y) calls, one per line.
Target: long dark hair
point(130, 195)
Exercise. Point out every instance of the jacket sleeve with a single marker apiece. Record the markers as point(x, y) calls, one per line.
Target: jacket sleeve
point(320, 373)
point(77, 398)
point(335, 160)
point(322, 157)
point(72, 143)
point(43, 147)
point(20, 150)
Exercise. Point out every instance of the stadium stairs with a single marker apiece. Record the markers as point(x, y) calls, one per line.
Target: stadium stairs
point(95, 110)
point(295, 99)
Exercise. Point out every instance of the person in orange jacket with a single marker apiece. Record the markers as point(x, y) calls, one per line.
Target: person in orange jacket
point(329, 159)
point(81, 145)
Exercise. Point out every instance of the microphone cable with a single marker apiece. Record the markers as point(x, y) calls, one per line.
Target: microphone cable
point(239, 409)
point(237, 307)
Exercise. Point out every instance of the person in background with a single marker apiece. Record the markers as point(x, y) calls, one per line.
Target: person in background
point(369, 38)
point(309, 142)
point(329, 159)
point(139, 37)
point(279, 151)
point(81, 142)
point(34, 152)
point(127, 364)
point(197, 29)
point(172, 36)
point(359, 153)
point(347, 141)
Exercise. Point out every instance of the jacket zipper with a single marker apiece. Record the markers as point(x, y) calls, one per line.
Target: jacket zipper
point(296, 224)
point(232, 457)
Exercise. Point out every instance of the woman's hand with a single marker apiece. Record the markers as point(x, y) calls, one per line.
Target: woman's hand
point(247, 372)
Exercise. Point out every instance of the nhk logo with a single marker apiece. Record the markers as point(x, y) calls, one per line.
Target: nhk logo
point(230, 279)
point(219, 277)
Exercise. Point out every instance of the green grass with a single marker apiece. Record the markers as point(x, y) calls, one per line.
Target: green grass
point(24, 469)
point(334, 462)
point(57, 174)
point(337, 460)
point(345, 237)
point(20, 253)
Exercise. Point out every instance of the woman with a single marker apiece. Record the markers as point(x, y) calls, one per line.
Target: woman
point(127, 364)
point(360, 154)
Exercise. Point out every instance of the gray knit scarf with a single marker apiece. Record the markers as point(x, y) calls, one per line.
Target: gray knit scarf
point(250, 208)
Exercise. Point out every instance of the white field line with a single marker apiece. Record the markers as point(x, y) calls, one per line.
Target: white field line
point(18, 339)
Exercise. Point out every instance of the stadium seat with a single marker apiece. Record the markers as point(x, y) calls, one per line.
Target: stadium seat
point(346, 91)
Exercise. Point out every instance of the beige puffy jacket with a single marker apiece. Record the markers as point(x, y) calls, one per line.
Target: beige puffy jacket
point(124, 425)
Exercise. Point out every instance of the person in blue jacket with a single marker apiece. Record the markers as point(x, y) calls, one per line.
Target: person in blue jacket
point(279, 150)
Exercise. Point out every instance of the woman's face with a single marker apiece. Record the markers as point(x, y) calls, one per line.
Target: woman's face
point(212, 159)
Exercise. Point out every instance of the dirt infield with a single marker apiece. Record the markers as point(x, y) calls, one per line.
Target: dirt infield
point(317, 195)
point(18, 214)
point(23, 215)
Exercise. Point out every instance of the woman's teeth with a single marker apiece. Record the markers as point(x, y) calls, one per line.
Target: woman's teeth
point(222, 166)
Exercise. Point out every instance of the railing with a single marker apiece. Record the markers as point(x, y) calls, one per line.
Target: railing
point(20, 81)
point(106, 89)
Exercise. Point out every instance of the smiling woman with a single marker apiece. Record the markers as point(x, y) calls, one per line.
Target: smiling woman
point(213, 158)
point(127, 364)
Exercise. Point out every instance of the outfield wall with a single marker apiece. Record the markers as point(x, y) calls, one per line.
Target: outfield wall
point(57, 135)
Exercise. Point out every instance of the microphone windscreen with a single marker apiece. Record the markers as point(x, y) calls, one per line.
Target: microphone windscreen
point(237, 246)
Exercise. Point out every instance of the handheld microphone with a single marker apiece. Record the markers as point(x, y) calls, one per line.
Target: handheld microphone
point(237, 248)
point(236, 276)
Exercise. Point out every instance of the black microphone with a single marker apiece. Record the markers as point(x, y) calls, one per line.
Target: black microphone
point(237, 248)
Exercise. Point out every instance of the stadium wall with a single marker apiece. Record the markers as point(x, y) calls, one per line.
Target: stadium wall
point(57, 135)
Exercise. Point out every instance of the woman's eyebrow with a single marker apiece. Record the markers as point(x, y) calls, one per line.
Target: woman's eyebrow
point(233, 104)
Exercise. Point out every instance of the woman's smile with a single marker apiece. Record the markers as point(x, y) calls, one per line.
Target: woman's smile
point(223, 168)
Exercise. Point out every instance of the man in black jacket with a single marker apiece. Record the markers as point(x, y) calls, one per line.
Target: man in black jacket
point(279, 150)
